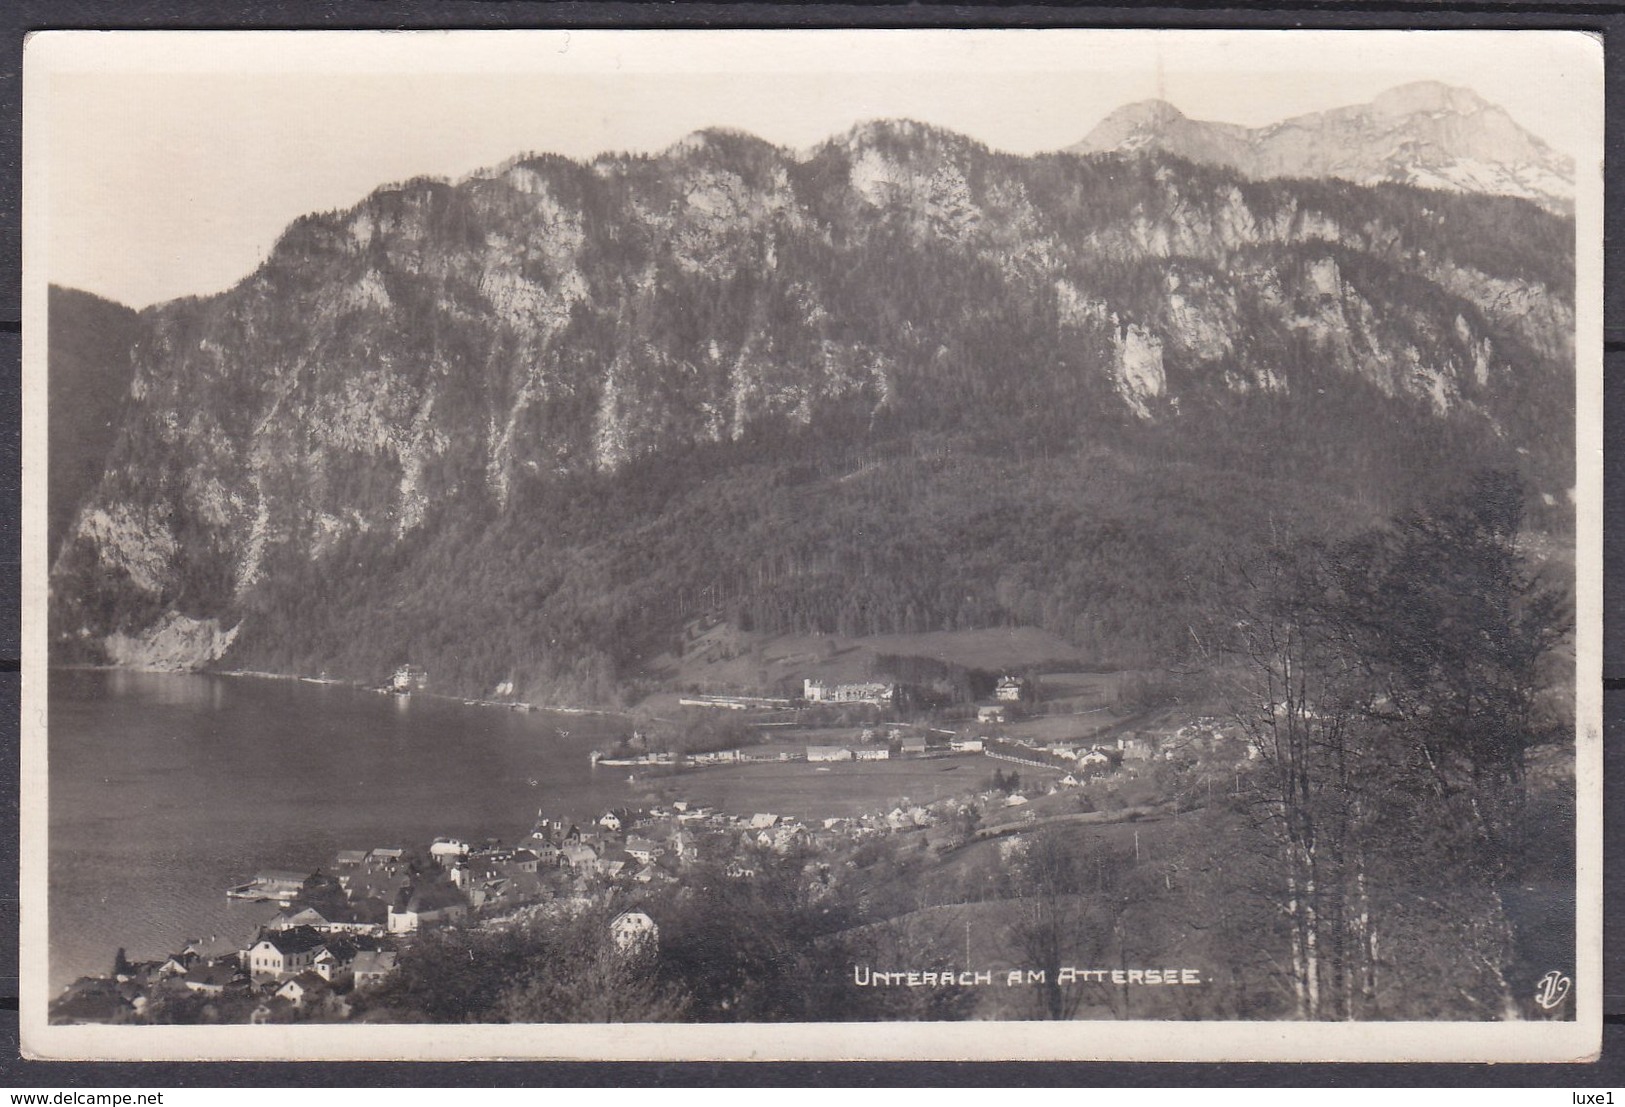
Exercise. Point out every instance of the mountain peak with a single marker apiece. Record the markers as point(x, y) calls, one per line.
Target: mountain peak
point(1132, 126)
point(872, 131)
point(900, 137)
point(1425, 133)
point(1151, 112)
point(1428, 97)
point(712, 138)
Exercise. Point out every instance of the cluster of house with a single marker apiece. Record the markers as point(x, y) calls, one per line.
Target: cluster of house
point(872, 745)
point(1206, 739)
point(1085, 759)
point(466, 880)
point(653, 845)
point(622, 845)
point(342, 937)
point(782, 833)
point(308, 969)
point(561, 858)
point(288, 966)
point(303, 962)
point(385, 892)
point(1200, 740)
point(905, 747)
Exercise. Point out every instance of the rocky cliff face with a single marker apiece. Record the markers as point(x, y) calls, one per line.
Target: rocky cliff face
point(550, 321)
point(1426, 134)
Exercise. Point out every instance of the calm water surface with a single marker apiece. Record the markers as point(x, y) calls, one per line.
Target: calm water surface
point(166, 789)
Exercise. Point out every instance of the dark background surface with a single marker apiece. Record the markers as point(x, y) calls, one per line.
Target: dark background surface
point(1605, 18)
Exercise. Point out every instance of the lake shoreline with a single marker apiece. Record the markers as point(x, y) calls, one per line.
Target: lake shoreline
point(166, 788)
point(305, 678)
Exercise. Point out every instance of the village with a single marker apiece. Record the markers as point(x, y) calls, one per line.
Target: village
point(343, 926)
point(1003, 728)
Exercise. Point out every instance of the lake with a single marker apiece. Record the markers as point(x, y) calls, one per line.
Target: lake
point(166, 789)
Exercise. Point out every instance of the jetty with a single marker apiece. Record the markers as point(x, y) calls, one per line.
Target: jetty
point(275, 885)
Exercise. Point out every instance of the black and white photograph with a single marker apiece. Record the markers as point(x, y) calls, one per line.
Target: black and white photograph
point(1048, 544)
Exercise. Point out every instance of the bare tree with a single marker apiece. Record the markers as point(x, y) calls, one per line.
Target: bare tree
point(1390, 689)
point(1298, 700)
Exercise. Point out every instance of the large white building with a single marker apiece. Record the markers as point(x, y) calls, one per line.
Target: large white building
point(633, 930)
point(875, 692)
point(828, 753)
point(1010, 689)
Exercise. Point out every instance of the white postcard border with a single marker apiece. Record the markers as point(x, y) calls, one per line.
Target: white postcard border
point(53, 52)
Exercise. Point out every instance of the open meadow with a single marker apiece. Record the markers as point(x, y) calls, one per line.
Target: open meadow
point(814, 791)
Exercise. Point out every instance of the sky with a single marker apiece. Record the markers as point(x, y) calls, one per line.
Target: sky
point(163, 164)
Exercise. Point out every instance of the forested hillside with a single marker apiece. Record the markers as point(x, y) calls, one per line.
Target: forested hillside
point(90, 340)
point(525, 426)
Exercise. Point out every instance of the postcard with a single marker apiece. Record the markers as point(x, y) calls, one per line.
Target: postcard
point(1053, 544)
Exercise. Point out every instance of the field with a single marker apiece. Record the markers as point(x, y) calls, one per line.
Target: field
point(1080, 690)
point(1062, 728)
point(814, 792)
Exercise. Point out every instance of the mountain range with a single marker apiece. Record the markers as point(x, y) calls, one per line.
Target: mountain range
point(1424, 133)
point(528, 426)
